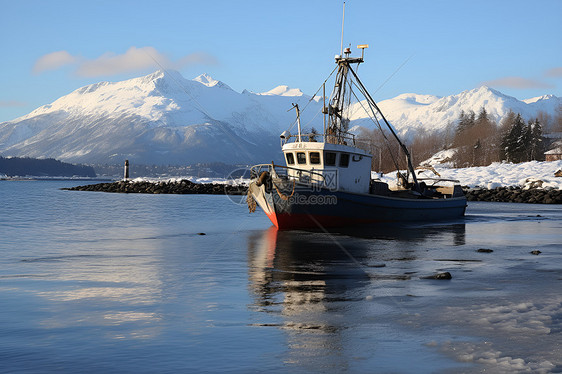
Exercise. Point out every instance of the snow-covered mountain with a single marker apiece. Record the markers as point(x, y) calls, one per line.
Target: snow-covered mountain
point(411, 112)
point(163, 118)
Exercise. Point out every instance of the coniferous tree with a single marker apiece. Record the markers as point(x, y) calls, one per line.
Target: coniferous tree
point(526, 140)
point(482, 117)
point(463, 156)
point(465, 123)
point(475, 140)
point(546, 120)
point(505, 126)
point(484, 131)
point(536, 146)
point(513, 141)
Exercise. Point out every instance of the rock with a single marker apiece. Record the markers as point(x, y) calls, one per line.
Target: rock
point(533, 183)
point(536, 252)
point(176, 187)
point(445, 275)
point(201, 233)
point(558, 173)
point(485, 250)
point(516, 194)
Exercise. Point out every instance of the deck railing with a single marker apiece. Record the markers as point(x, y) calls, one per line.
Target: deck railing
point(301, 176)
point(347, 138)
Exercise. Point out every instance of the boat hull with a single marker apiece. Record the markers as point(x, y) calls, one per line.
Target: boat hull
point(313, 208)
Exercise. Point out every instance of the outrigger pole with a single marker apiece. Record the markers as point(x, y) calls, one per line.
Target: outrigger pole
point(402, 145)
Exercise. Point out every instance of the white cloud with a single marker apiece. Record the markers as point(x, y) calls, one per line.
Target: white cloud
point(554, 72)
point(133, 60)
point(53, 61)
point(11, 103)
point(517, 82)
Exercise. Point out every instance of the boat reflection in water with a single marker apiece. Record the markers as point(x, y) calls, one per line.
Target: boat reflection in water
point(330, 292)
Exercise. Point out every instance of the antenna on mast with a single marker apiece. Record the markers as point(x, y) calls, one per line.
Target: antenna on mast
point(342, 21)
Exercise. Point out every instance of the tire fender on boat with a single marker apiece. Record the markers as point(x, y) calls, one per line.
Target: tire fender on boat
point(263, 178)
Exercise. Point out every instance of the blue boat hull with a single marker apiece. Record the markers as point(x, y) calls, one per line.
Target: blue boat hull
point(325, 208)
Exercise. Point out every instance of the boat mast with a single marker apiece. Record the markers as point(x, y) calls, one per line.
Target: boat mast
point(338, 125)
point(323, 112)
point(342, 23)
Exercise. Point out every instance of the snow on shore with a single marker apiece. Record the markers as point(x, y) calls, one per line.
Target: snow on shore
point(506, 174)
point(498, 174)
point(201, 180)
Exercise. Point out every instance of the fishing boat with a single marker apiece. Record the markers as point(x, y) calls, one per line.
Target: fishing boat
point(327, 180)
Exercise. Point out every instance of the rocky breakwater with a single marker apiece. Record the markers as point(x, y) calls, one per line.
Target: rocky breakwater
point(515, 195)
point(165, 187)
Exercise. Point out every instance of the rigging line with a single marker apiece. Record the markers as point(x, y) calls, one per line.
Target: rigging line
point(316, 115)
point(323, 83)
point(303, 109)
point(395, 158)
point(410, 166)
point(392, 75)
point(363, 90)
point(376, 122)
point(371, 115)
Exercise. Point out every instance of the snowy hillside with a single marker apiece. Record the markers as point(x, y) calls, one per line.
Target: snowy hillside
point(410, 112)
point(283, 91)
point(163, 118)
point(160, 118)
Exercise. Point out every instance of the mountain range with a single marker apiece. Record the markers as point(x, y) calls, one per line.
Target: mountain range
point(163, 118)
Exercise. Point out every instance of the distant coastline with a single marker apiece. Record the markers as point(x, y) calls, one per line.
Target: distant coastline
point(32, 168)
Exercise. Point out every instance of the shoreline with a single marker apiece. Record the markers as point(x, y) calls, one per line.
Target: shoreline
point(515, 195)
point(47, 179)
point(184, 186)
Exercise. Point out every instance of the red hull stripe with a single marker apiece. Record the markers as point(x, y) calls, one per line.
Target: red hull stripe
point(273, 218)
point(297, 221)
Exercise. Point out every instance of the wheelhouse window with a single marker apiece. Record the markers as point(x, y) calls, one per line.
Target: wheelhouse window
point(344, 160)
point(290, 158)
point(301, 158)
point(330, 158)
point(314, 158)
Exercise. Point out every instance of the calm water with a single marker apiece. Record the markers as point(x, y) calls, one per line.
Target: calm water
point(123, 283)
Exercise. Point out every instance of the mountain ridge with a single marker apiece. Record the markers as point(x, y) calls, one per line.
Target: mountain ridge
point(165, 118)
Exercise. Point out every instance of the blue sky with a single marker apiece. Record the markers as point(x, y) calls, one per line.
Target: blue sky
point(50, 48)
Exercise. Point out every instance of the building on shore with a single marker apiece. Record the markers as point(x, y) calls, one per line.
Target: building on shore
point(554, 154)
